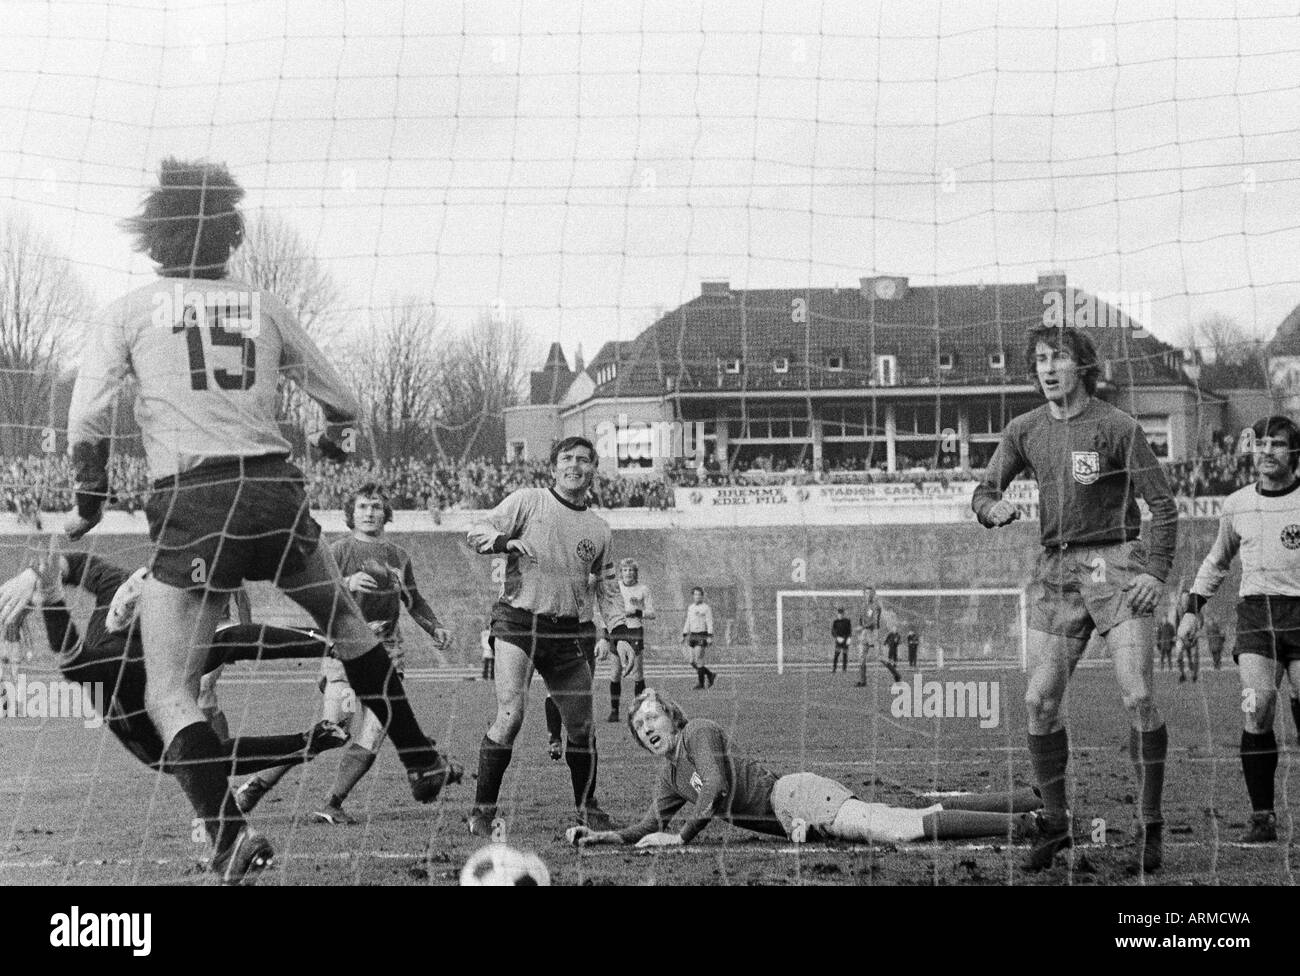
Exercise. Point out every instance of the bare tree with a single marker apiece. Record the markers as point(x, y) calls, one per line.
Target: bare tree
point(396, 370)
point(1220, 338)
point(483, 372)
point(276, 259)
point(42, 306)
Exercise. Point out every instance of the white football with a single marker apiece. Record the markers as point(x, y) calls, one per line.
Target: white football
point(500, 864)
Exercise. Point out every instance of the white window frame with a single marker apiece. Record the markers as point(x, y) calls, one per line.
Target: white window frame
point(1159, 423)
point(781, 364)
point(521, 454)
point(997, 360)
point(831, 360)
point(731, 366)
point(951, 360)
point(886, 370)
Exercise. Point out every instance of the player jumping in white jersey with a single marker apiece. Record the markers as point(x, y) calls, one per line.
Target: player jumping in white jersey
point(207, 354)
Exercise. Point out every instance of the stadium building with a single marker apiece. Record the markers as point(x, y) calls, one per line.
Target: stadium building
point(886, 376)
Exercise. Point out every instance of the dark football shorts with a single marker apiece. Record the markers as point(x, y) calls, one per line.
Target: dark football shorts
point(633, 636)
point(554, 644)
point(228, 521)
point(1269, 626)
point(1082, 588)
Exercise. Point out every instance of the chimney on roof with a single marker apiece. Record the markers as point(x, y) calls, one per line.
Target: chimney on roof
point(578, 367)
point(1051, 281)
point(717, 288)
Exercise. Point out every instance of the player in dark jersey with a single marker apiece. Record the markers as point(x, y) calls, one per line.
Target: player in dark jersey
point(111, 656)
point(208, 355)
point(1262, 522)
point(842, 635)
point(892, 639)
point(913, 647)
point(382, 580)
point(703, 766)
point(1092, 461)
point(543, 621)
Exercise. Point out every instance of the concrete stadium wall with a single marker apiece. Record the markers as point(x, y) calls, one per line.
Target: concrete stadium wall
point(741, 570)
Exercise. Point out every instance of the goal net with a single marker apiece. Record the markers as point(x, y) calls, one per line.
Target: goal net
point(954, 627)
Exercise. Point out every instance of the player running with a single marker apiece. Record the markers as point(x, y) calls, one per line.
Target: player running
point(543, 621)
point(1262, 522)
point(1091, 461)
point(697, 634)
point(628, 659)
point(703, 766)
point(842, 635)
point(111, 655)
point(381, 578)
point(207, 354)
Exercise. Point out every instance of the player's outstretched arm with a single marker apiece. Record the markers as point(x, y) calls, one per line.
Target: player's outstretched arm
point(499, 531)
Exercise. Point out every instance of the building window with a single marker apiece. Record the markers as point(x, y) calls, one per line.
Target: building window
point(947, 360)
point(887, 370)
point(1156, 427)
point(997, 360)
point(606, 373)
point(731, 366)
point(518, 450)
point(781, 364)
point(835, 363)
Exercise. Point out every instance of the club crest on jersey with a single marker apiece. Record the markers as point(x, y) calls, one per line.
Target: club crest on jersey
point(1291, 536)
point(586, 550)
point(697, 783)
point(1087, 467)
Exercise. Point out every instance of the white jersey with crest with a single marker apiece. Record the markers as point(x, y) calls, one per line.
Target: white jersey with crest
point(636, 597)
point(207, 355)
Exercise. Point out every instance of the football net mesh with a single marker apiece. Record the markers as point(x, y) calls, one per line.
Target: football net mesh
point(439, 192)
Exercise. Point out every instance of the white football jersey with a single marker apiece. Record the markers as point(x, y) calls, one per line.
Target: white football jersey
point(636, 597)
point(207, 355)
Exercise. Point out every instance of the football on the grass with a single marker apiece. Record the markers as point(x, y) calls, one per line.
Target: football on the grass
point(499, 864)
point(378, 572)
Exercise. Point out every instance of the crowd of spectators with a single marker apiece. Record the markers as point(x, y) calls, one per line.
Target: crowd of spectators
point(43, 482)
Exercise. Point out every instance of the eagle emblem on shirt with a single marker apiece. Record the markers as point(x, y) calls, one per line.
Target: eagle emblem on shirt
point(1086, 467)
point(586, 550)
point(1291, 536)
point(697, 782)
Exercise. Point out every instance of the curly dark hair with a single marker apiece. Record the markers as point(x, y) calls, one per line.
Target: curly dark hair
point(370, 489)
point(189, 224)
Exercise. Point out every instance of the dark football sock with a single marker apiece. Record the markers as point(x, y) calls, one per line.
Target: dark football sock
point(356, 762)
point(195, 759)
point(1295, 714)
point(1049, 755)
point(1259, 764)
point(951, 824)
point(582, 770)
point(615, 695)
point(493, 759)
point(639, 687)
point(254, 753)
point(1147, 750)
point(378, 687)
point(554, 721)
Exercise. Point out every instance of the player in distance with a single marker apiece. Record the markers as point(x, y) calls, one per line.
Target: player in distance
point(869, 620)
point(628, 640)
point(842, 636)
point(543, 622)
point(697, 635)
point(704, 766)
point(111, 655)
point(1262, 523)
point(1092, 461)
point(207, 354)
point(381, 579)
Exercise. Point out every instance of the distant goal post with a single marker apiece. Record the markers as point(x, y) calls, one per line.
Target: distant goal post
point(976, 626)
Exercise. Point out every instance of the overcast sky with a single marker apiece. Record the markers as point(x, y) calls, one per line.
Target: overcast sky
point(583, 163)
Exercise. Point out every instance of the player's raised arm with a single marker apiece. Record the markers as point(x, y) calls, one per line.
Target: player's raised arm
point(302, 361)
point(990, 507)
point(104, 365)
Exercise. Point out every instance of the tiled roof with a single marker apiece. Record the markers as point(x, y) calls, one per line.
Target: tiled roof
point(686, 348)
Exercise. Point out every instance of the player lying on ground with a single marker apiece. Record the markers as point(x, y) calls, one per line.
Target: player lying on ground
point(1262, 522)
point(703, 766)
point(208, 355)
point(1091, 461)
point(112, 656)
point(381, 578)
point(543, 621)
